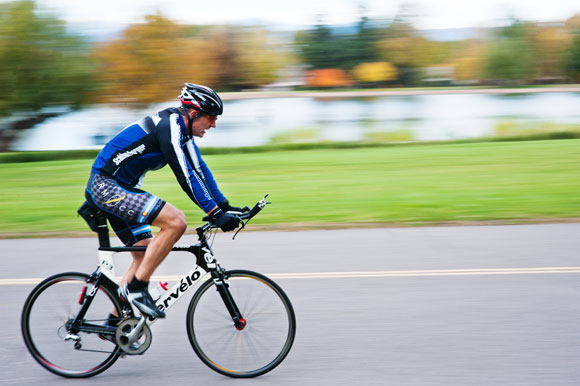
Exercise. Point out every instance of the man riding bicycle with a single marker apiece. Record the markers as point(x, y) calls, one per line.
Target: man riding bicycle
point(163, 138)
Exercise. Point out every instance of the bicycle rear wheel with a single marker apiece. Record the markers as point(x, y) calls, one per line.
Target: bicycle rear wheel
point(46, 317)
point(258, 347)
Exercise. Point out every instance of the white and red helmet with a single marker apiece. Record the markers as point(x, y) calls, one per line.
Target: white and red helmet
point(201, 98)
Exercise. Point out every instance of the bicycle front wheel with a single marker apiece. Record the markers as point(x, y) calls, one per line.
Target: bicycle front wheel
point(263, 342)
point(46, 326)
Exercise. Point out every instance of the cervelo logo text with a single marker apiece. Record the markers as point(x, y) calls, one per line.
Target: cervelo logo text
point(123, 156)
point(184, 285)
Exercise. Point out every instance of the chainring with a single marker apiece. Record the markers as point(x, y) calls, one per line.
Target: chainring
point(137, 347)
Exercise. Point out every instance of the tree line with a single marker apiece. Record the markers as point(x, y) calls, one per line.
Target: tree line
point(42, 64)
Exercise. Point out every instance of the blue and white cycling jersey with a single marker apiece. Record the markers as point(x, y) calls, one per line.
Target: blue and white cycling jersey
point(150, 144)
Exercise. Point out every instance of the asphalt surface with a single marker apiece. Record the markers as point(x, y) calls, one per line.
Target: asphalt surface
point(489, 305)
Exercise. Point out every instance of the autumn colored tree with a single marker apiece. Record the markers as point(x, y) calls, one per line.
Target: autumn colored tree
point(377, 72)
point(550, 43)
point(405, 48)
point(573, 23)
point(470, 59)
point(249, 56)
point(151, 61)
point(328, 77)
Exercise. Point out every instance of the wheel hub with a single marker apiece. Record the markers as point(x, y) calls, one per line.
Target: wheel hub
point(241, 324)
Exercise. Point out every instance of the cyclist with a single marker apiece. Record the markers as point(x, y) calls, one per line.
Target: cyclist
point(163, 138)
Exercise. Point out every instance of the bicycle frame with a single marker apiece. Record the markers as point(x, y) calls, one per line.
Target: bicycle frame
point(205, 263)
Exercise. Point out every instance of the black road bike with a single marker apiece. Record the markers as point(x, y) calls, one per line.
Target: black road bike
point(240, 323)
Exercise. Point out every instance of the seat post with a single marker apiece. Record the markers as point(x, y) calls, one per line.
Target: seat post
point(103, 231)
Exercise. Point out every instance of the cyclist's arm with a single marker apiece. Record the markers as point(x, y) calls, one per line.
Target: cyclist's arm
point(209, 179)
point(171, 142)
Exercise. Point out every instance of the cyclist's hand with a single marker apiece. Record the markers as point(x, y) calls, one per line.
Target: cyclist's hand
point(227, 222)
point(226, 207)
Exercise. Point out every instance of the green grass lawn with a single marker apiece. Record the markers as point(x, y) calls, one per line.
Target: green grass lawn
point(406, 185)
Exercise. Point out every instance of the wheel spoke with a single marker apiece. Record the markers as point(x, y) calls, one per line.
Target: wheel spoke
point(84, 354)
point(257, 348)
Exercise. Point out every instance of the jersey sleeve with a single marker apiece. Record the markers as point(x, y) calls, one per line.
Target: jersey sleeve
point(179, 158)
point(209, 179)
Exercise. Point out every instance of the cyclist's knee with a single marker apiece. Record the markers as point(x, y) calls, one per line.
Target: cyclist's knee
point(171, 219)
point(179, 223)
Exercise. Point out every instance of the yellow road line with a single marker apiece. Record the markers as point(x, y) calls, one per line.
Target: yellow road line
point(346, 275)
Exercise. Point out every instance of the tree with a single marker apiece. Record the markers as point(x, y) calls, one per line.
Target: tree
point(321, 47)
point(328, 77)
point(377, 72)
point(573, 22)
point(152, 60)
point(512, 57)
point(573, 59)
point(550, 43)
point(405, 48)
point(250, 57)
point(40, 63)
point(470, 60)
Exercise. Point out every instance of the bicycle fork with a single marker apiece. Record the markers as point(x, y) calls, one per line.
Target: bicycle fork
point(222, 287)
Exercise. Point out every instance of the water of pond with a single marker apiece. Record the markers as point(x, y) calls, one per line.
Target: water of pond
point(251, 122)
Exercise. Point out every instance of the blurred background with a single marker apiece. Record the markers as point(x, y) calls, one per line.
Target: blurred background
point(412, 113)
point(73, 74)
point(350, 114)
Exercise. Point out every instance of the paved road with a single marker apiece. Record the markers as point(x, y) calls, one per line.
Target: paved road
point(416, 306)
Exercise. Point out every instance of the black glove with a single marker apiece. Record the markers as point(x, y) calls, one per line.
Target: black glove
point(227, 222)
point(226, 207)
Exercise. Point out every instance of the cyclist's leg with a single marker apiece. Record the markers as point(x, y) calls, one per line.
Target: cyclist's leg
point(137, 260)
point(132, 235)
point(130, 211)
point(172, 224)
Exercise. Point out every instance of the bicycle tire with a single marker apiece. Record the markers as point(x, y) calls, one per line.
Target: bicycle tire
point(269, 315)
point(44, 334)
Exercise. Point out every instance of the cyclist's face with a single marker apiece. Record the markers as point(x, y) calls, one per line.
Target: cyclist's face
point(202, 124)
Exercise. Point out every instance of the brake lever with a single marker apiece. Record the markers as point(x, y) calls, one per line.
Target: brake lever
point(238, 231)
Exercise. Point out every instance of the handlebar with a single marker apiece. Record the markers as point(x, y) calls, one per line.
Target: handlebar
point(256, 209)
point(246, 214)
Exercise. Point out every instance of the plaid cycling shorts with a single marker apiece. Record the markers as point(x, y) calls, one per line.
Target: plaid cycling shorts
point(129, 210)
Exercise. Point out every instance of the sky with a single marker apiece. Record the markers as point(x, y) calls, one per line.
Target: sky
point(431, 14)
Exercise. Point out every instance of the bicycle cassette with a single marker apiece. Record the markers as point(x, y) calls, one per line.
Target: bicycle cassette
point(133, 336)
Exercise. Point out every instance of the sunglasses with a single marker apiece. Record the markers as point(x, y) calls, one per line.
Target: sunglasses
point(211, 118)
